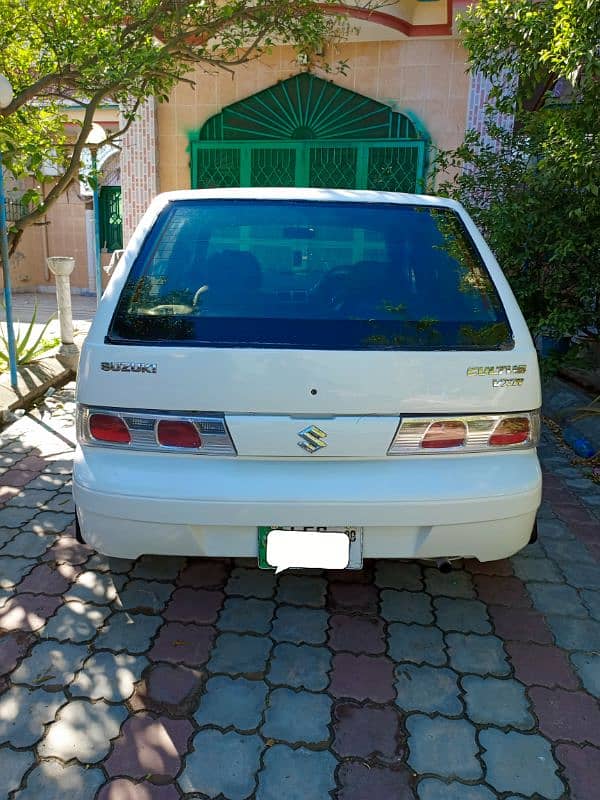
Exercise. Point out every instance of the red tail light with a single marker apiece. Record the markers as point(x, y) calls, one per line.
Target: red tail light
point(109, 428)
point(513, 430)
point(449, 433)
point(177, 433)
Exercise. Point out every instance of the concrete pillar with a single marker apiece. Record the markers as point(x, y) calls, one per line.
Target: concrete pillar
point(62, 267)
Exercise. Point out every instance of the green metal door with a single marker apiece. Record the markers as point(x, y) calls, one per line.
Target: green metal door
point(309, 132)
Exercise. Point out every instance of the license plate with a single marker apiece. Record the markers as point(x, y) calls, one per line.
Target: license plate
point(281, 548)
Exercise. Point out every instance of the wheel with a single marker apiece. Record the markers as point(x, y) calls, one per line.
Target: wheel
point(78, 534)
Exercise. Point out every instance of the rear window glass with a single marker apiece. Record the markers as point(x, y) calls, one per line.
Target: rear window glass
point(308, 274)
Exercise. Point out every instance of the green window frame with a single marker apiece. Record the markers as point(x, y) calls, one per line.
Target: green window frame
point(110, 209)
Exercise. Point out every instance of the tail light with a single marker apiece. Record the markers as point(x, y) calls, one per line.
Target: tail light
point(108, 428)
point(474, 433)
point(204, 434)
point(178, 433)
point(450, 433)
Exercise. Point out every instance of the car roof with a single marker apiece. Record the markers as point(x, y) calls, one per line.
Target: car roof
point(293, 193)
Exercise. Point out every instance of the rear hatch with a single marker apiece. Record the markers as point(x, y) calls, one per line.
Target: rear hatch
point(312, 325)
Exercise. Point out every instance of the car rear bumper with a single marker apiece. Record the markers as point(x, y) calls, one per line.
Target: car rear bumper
point(430, 506)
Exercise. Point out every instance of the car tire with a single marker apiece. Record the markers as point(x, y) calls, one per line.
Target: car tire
point(78, 534)
point(534, 533)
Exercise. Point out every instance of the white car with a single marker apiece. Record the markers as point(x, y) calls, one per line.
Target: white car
point(308, 377)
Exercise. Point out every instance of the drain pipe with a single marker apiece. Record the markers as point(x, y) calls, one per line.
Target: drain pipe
point(443, 565)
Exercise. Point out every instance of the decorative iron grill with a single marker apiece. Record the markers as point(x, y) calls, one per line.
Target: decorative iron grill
point(309, 132)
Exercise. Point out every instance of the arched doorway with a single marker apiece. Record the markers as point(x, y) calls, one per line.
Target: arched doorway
point(305, 131)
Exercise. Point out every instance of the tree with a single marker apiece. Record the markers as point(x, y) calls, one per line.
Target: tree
point(535, 189)
point(89, 52)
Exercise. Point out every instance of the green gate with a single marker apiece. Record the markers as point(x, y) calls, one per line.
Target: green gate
point(309, 132)
point(111, 218)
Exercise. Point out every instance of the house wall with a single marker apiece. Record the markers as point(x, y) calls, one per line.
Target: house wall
point(426, 77)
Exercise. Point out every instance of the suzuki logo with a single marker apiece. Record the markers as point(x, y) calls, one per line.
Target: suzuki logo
point(313, 439)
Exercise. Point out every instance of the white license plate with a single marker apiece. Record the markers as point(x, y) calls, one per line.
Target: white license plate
point(310, 548)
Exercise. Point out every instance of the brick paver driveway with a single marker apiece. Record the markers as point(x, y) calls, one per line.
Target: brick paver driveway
point(167, 678)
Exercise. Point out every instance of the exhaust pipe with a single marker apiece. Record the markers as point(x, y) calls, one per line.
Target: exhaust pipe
point(443, 565)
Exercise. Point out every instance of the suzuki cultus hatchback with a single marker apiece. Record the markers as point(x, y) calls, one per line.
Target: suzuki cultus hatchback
point(307, 377)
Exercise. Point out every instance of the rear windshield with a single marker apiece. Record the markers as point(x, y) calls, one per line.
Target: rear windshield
point(309, 274)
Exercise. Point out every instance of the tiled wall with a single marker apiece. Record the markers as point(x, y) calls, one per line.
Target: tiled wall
point(424, 76)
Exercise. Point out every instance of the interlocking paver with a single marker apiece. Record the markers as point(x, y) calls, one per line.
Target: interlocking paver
point(353, 597)
point(102, 563)
point(194, 605)
point(150, 596)
point(491, 701)
point(360, 781)
point(13, 765)
point(450, 584)
point(434, 789)
point(357, 634)
point(205, 573)
point(295, 774)
point(362, 677)
point(12, 570)
point(27, 612)
point(96, 587)
point(55, 781)
point(300, 625)
point(592, 602)
point(27, 545)
point(109, 676)
point(82, 730)
point(404, 606)
point(583, 576)
point(238, 654)
point(171, 685)
point(557, 598)
point(536, 569)
point(251, 583)
point(149, 747)
point(76, 622)
point(428, 689)
point(50, 521)
point(51, 663)
point(575, 634)
point(24, 712)
point(456, 614)
point(158, 568)
point(563, 715)
point(32, 498)
point(553, 529)
point(232, 701)
point(399, 575)
point(130, 632)
point(47, 578)
point(302, 590)
point(222, 764)
point(588, 669)
point(13, 647)
point(445, 747)
point(124, 789)
point(16, 517)
point(520, 624)
point(302, 666)
point(582, 769)
point(518, 762)
point(502, 590)
point(297, 716)
point(245, 615)
point(563, 550)
point(366, 732)
point(541, 665)
point(480, 654)
point(183, 644)
point(416, 643)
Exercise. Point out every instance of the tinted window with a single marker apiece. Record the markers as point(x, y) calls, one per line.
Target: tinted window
point(310, 275)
